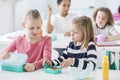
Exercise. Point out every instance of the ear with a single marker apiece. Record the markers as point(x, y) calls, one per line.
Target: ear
point(23, 24)
point(58, 5)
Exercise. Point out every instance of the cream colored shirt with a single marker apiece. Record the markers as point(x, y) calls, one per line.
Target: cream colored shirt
point(62, 24)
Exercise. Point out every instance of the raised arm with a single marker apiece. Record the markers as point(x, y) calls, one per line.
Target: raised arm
point(49, 26)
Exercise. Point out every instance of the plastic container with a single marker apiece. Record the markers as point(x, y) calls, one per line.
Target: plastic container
point(52, 69)
point(15, 63)
point(100, 38)
point(105, 68)
point(54, 37)
point(116, 16)
point(79, 74)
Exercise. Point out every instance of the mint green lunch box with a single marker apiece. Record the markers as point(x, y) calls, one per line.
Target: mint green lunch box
point(15, 63)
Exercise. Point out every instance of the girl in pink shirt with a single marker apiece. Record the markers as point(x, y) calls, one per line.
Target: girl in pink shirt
point(31, 43)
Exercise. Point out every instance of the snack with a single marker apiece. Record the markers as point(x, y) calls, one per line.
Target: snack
point(52, 69)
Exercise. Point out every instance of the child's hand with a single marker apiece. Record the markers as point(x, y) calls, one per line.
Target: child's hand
point(49, 9)
point(67, 34)
point(47, 62)
point(109, 38)
point(67, 62)
point(5, 55)
point(29, 67)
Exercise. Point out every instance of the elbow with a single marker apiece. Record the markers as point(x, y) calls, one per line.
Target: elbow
point(48, 31)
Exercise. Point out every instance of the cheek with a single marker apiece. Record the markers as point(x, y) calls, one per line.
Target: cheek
point(76, 37)
point(28, 31)
point(80, 37)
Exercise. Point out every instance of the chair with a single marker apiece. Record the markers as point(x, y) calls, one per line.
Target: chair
point(114, 59)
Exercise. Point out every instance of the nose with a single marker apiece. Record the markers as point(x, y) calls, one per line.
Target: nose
point(72, 34)
point(100, 19)
point(35, 30)
point(66, 8)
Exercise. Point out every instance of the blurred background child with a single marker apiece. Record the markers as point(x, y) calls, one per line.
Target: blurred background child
point(32, 43)
point(104, 24)
point(60, 22)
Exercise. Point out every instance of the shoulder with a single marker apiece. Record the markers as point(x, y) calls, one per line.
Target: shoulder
point(91, 45)
point(19, 38)
point(46, 38)
point(72, 15)
point(109, 27)
point(71, 43)
point(55, 15)
point(94, 25)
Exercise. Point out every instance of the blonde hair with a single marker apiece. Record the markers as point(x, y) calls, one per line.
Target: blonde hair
point(84, 23)
point(33, 13)
point(108, 12)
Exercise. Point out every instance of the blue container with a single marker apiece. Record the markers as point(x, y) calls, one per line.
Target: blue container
point(52, 69)
point(54, 37)
point(15, 63)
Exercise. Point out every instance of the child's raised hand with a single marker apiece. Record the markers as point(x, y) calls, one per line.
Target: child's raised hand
point(29, 67)
point(49, 9)
point(47, 62)
point(67, 34)
point(67, 62)
point(5, 54)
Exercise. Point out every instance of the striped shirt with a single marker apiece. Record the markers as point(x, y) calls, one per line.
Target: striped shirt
point(82, 58)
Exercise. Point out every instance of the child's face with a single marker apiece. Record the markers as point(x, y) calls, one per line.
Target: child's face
point(64, 7)
point(32, 27)
point(77, 34)
point(101, 19)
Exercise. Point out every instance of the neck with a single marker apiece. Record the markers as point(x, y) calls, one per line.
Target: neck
point(32, 40)
point(99, 27)
point(63, 15)
point(78, 43)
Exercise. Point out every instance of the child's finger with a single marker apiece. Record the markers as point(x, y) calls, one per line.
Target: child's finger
point(6, 56)
point(47, 62)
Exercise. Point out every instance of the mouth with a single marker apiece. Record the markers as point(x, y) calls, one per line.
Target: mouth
point(34, 34)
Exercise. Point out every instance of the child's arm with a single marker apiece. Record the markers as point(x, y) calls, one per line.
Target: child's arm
point(67, 62)
point(46, 52)
point(49, 27)
point(4, 54)
point(29, 67)
point(59, 60)
point(115, 35)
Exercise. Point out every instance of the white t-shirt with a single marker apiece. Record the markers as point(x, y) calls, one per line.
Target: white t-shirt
point(107, 30)
point(62, 24)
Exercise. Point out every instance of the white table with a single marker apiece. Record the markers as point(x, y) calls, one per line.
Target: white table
point(101, 50)
point(41, 75)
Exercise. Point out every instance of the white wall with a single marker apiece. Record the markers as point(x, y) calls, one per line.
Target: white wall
point(10, 20)
point(21, 7)
point(6, 17)
point(83, 7)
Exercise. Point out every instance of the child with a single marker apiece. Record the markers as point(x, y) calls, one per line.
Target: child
point(61, 22)
point(104, 24)
point(31, 43)
point(81, 52)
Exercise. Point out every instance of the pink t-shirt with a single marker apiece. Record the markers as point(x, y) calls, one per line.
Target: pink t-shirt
point(36, 52)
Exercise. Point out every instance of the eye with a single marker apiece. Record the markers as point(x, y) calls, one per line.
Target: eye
point(38, 27)
point(31, 28)
point(76, 32)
